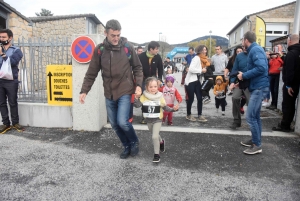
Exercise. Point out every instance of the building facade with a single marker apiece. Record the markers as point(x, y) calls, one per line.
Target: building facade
point(279, 22)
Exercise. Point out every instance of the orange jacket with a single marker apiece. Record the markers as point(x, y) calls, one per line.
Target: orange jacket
point(221, 87)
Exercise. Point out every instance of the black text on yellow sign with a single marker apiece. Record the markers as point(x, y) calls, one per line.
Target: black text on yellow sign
point(59, 84)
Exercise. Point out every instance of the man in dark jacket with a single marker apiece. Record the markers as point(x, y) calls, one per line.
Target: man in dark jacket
point(290, 76)
point(257, 74)
point(151, 62)
point(118, 83)
point(9, 87)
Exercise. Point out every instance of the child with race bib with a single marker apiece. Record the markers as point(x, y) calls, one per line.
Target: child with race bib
point(153, 104)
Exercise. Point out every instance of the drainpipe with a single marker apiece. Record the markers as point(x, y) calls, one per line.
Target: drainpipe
point(247, 18)
point(297, 18)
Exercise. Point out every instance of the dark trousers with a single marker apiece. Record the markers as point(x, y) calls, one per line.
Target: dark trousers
point(191, 89)
point(274, 85)
point(206, 86)
point(220, 101)
point(288, 106)
point(9, 91)
point(236, 103)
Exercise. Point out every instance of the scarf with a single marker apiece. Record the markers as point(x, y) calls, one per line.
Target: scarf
point(149, 55)
point(204, 61)
point(152, 97)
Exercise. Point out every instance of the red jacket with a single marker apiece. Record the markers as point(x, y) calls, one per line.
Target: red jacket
point(274, 65)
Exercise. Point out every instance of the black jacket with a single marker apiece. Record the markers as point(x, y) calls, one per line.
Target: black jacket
point(150, 70)
point(209, 71)
point(291, 66)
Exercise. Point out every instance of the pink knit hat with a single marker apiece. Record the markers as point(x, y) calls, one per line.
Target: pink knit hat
point(169, 78)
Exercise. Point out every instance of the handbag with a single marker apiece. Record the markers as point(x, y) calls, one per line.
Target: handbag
point(5, 71)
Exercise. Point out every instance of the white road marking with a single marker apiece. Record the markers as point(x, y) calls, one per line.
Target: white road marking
point(178, 129)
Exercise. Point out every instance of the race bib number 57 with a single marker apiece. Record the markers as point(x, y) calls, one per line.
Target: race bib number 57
point(151, 109)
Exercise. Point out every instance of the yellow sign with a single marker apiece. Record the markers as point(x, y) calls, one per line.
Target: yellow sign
point(260, 31)
point(59, 84)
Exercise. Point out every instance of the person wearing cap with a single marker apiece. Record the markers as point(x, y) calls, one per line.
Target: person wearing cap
point(170, 93)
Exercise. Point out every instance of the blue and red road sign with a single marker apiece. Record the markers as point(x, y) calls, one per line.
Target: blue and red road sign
point(82, 49)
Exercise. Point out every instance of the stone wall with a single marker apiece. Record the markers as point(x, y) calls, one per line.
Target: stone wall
point(19, 27)
point(62, 28)
point(59, 28)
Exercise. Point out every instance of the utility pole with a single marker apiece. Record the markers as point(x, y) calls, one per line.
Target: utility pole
point(210, 43)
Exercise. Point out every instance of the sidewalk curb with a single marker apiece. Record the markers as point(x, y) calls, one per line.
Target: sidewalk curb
point(178, 129)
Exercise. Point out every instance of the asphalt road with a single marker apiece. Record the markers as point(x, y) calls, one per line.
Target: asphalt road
point(57, 164)
point(62, 164)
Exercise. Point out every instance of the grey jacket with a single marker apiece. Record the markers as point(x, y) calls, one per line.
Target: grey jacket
point(220, 62)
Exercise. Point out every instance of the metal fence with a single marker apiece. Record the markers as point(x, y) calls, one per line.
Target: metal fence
point(37, 54)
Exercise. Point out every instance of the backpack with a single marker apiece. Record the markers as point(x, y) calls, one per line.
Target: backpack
point(127, 50)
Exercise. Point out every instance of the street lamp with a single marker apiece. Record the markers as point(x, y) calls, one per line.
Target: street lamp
point(210, 43)
point(159, 36)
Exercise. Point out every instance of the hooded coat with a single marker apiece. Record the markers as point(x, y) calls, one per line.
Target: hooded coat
point(291, 66)
point(219, 90)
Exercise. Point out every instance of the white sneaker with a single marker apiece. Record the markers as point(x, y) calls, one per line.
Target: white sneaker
point(217, 110)
point(265, 104)
point(223, 113)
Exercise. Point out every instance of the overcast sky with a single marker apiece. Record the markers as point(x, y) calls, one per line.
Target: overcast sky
point(143, 20)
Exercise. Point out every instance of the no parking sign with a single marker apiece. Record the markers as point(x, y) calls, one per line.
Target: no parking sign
point(82, 49)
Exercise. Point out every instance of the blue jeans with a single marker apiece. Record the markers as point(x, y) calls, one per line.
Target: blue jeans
point(118, 114)
point(253, 114)
point(9, 91)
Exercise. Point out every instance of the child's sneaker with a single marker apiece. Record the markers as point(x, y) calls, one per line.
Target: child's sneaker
point(156, 158)
point(207, 100)
point(223, 113)
point(162, 146)
point(217, 110)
